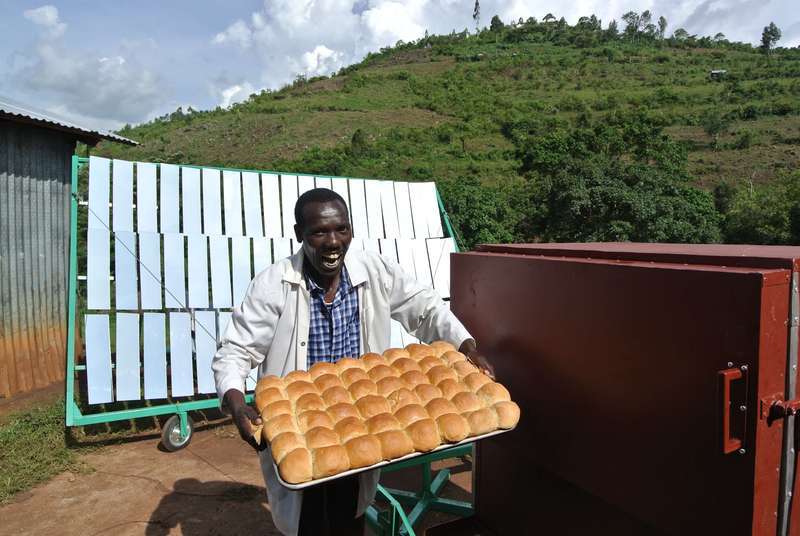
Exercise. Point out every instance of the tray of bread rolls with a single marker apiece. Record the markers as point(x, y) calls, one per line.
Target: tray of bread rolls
point(338, 419)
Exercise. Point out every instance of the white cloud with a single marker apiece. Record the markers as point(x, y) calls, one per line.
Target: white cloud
point(321, 60)
point(103, 91)
point(237, 33)
point(47, 17)
point(235, 93)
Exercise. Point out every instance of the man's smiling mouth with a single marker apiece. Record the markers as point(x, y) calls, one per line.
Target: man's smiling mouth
point(331, 260)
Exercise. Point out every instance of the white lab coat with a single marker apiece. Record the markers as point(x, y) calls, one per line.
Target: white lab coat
point(269, 330)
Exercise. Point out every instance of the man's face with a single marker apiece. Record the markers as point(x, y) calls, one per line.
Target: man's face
point(325, 235)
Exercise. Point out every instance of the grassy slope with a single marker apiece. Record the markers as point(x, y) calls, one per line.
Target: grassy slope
point(438, 112)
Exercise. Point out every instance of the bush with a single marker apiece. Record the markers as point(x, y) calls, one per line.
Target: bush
point(766, 213)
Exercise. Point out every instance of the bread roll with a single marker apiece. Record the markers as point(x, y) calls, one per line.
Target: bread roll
point(379, 372)
point(352, 375)
point(451, 388)
point(372, 405)
point(337, 412)
point(278, 425)
point(329, 461)
point(482, 421)
point(405, 364)
point(452, 427)
point(296, 467)
point(295, 390)
point(336, 395)
point(350, 427)
point(438, 374)
point(347, 363)
point(363, 451)
point(297, 376)
point(265, 382)
point(410, 414)
point(393, 354)
point(285, 443)
point(493, 393)
point(507, 414)
point(427, 392)
point(476, 380)
point(372, 360)
point(362, 388)
point(424, 435)
point(442, 347)
point(267, 396)
point(394, 444)
point(281, 407)
point(417, 351)
point(320, 436)
point(321, 369)
point(466, 402)
point(402, 397)
point(312, 419)
point(464, 368)
point(381, 423)
point(390, 384)
point(412, 378)
point(451, 358)
point(427, 363)
point(326, 381)
point(439, 406)
point(308, 402)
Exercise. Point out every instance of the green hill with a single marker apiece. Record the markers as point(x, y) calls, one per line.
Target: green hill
point(641, 143)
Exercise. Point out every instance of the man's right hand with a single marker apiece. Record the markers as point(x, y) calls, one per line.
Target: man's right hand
point(244, 417)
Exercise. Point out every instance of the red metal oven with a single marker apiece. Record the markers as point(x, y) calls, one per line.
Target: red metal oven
point(656, 384)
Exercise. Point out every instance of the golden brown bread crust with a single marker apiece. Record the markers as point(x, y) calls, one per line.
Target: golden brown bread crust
point(372, 405)
point(402, 397)
point(363, 451)
point(319, 437)
point(424, 435)
point(394, 444)
point(321, 369)
point(329, 461)
point(296, 467)
point(326, 381)
point(452, 427)
point(350, 427)
point(410, 414)
point(285, 443)
point(507, 414)
point(336, 395)
point(311, 419)
point(354, 413)
point(340, 411)
point(381, 423)
point(362, 388)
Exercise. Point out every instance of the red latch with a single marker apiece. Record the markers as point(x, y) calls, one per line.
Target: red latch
point(779, 409)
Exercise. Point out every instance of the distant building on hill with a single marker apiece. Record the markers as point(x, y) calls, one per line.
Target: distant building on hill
point(36, 151)
point(718, 74)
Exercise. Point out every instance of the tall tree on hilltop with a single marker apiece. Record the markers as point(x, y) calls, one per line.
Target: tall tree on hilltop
point(662, 26)
point(770, 37)
point(496, 24)
point(476, 15)
point(548, 18)
point(611, 32)
point(632, 20)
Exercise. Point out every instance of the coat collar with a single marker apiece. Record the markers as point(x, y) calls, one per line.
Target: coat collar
point(353, 260)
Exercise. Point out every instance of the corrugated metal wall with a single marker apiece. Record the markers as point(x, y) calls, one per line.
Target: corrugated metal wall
point(34, 239)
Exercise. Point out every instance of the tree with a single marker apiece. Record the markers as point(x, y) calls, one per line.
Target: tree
point(476, 15)
point(715, 123)
point(549, 18)
point(680, 34)
point(662, 26)
point(612, 32)
point(720, 37)
point(770, 37)
point(496, 25)
point(632, 20)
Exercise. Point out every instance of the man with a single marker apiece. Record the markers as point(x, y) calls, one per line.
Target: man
point(321, 304)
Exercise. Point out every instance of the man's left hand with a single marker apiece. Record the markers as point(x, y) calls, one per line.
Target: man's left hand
point(470, 349)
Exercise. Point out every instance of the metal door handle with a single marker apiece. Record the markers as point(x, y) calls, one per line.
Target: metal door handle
point(729, 444)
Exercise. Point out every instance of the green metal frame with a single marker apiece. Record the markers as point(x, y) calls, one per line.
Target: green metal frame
point(393, 521)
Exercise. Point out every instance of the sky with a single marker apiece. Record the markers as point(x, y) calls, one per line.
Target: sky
point(105, 64)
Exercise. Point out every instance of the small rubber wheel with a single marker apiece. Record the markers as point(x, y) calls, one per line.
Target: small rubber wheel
point(171, 433)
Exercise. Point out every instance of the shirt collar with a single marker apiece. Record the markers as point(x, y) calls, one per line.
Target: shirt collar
point(344, 284)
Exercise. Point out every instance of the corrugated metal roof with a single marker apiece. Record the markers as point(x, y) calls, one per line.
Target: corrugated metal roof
point(15, 111)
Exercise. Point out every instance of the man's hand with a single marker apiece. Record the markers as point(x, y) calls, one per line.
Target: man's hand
point(470, 349)
point(244, 417)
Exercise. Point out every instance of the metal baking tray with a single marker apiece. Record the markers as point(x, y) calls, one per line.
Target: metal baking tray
point(381, 464)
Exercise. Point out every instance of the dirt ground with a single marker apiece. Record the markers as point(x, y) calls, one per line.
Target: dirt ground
point(214, 486)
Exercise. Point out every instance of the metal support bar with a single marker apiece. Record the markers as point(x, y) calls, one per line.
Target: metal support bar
point(789, 447)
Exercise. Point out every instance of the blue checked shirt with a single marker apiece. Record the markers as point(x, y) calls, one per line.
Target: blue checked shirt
point(333, 330)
